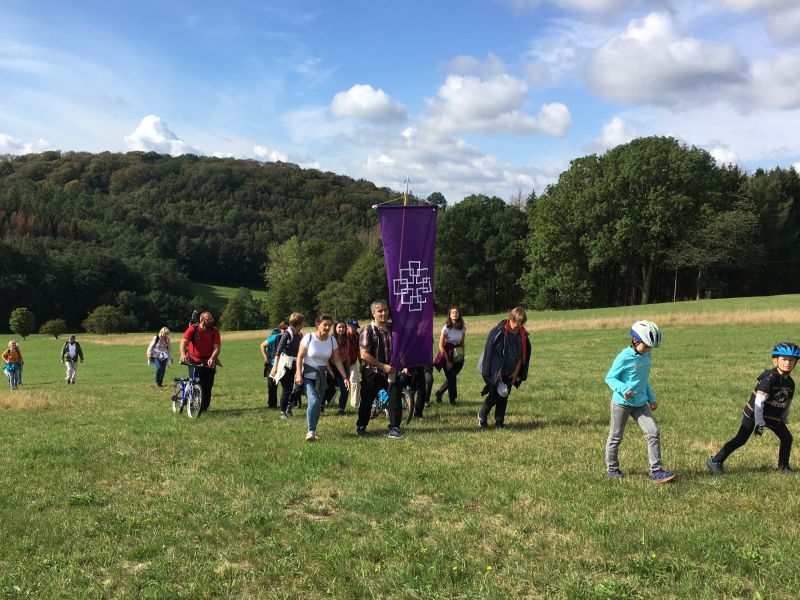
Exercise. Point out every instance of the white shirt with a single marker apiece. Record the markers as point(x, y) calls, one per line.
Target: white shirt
point(318, 352)
point(453, 336)
point(72, 349)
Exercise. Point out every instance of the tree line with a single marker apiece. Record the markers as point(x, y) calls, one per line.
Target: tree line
point(647, 221)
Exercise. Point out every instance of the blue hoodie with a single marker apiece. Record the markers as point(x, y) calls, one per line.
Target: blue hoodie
point(630, 371)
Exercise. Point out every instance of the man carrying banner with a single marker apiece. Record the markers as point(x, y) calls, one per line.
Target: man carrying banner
point(377, 373)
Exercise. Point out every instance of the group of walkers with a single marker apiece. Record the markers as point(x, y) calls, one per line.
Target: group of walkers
point(357, 363)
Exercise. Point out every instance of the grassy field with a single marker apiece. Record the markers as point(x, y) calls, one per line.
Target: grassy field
point(219, 295)
point(104, 493)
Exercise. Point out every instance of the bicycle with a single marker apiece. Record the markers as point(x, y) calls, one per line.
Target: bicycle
point(186, 392)
point(381, 403)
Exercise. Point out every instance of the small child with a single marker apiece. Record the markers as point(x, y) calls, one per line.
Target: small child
point(13, 367)
point(632, 397)
point(768, 406)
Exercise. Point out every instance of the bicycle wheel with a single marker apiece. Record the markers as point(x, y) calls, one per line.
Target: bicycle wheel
point(177, 397)
point(194, 401)
point(408, 404)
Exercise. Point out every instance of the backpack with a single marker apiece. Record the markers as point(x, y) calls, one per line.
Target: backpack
point(272, 345)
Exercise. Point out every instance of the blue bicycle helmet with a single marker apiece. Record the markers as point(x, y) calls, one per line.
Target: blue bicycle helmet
point(786, 349)
point(646, 332)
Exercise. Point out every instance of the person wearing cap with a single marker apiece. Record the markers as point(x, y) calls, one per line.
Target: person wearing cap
point(504, 363)
point(71, 352)
point(353, 358)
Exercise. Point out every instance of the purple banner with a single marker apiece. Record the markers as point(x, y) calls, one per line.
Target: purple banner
point(409, 247)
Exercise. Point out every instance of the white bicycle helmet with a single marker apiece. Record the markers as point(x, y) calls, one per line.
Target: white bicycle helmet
point(502, 389)
point(646, 332)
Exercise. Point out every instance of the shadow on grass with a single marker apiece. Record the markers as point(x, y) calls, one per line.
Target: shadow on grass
point(227, 413)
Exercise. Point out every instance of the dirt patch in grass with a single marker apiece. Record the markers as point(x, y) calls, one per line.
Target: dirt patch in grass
point(21, 400)
point(318, 504)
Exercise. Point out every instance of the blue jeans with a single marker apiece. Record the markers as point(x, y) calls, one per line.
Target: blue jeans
point(161, 368)
point(314, 403)
point(343, 393)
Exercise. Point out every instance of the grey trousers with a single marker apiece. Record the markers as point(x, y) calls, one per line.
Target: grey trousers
point(644, 417)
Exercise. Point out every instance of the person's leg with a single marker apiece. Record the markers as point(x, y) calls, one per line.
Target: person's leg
point(206, 384)
point(287, 383)
point(68, 374)
point(443, 387)
point(342, 392)
point(739, 440)
point(428, 369)
point(272, 393)
point(370, 384)
point(314, 403)
point(500, 408)
point(452, 381)
point(644, 418)
point(488, 405)
point(161, 368)
point(355, 385)
point(395, 407)
point(785, 436)
point(74, 367)
point(616, 430)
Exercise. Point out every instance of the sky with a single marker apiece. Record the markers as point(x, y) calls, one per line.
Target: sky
point(461, 97)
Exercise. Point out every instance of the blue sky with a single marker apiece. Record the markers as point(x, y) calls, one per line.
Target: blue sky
point(469, 96)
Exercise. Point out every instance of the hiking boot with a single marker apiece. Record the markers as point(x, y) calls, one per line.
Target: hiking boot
point(662, 476)
point(482, 421)
point(361, 431)
point(395, 433)
point(616, 475)
point(786, 470)
point(714, 466)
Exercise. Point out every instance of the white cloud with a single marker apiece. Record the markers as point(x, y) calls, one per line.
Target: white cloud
point(588, 6)
point(154, 135)
point(615, 132)
point(365, 102)
point(265, 154)
point(724, 155)
point(782, 16)
point(468, 103)
point(465, 64)
point(776, 82)
point(11, 145)
point(796, 166)
point(651, 62)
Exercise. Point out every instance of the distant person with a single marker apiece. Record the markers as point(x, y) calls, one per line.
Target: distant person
point(768, 407)
point(200, 348)
point(452, 340)
point(377, 372)
point(13, 367)
point(159, 354)
point(633, 397)
point(268, 347)
point(343, 343)
point(285, 363)
point(355, 371)
point(317, 349)
point(504, 364)
point(71, 352)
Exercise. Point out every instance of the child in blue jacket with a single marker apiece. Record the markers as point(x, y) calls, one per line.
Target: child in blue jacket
point(633, 397)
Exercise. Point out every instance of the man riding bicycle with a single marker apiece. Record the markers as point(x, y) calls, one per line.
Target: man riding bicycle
point(200, 347)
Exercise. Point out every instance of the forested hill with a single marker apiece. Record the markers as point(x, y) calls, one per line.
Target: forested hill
point(78, 228)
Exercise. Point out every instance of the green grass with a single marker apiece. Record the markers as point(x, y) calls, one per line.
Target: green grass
point(219, 294)
point(105, 493)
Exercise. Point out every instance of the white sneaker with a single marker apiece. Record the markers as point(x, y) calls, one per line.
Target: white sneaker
point(284, 416)
point(311, 436)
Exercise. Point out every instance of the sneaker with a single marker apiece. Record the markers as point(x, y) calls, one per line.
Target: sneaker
point(786, 470)
point(395, 433)
point(311, 436)
point(284, 416)
point(482, 421)
point(499, 425)
point(616, 475)
point(662, 476)
point(361, 431)
point(714, 466)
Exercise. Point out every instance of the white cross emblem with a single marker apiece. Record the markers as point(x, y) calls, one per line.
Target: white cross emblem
point(412, 285)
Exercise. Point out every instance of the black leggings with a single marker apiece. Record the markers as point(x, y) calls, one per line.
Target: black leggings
point(744, 433)
point(450, 384)
point(288, 393)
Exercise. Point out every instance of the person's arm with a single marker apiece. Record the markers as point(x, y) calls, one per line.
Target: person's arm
point(337, 361)
point(150, 348)
point(441, 342)
point(264, 351)
point(6, 354)
point(80, 351)
point(517, 368)
point(184, 349)
point(278, 351)
point(613, 378)
point(212, 361)
point(374, 362)
point(298, 372)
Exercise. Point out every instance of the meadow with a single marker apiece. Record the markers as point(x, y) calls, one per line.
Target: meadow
point(105, 493)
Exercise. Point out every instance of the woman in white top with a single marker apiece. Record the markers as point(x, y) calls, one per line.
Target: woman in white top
point(451, 354)
point(159, 354)
point(316, 350)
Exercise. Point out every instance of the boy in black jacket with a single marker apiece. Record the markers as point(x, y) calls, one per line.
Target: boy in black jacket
point(768, 407)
